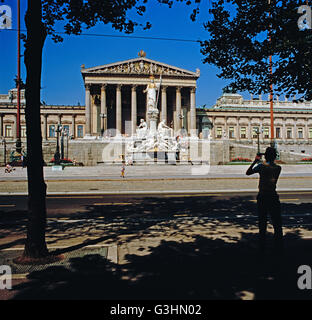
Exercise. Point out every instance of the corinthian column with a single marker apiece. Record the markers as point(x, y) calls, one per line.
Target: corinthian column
point(45, 116)
point(164, 103)
point(1, 125)
point(133, 109)
point(193, 112)
point(88, 109)
point(178, 108)
point(103, 108)
point(118, 109)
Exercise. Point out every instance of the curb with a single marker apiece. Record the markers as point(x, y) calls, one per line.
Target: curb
point(151, 192)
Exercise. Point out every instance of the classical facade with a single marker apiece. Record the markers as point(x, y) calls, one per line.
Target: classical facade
point(115, 102)
point(116, 96)
point(72, 118)
point(237, 120)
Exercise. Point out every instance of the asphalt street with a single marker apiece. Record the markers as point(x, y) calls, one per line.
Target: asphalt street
point(297, 206)
point(72, 203)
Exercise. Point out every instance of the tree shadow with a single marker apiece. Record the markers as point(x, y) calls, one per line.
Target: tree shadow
point(202, 269)
point(208, 263)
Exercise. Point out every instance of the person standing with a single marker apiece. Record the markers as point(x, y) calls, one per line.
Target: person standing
point(268, 199)
point(123, 169)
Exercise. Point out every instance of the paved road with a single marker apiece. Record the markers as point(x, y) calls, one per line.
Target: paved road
point(219, 204)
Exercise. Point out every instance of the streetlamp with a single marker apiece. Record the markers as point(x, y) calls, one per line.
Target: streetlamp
point(4, 149)
point(57, 157)
point(62, 142)
point(18, 82)
point(66, 133)
point(102, 116)
point(181, 117)
point(258, 131)
point(273, 142)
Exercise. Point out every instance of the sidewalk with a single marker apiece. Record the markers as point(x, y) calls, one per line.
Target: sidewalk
point(153, 172)
point(153, 179)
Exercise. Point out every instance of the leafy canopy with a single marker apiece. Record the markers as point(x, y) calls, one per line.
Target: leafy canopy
point(239, 46)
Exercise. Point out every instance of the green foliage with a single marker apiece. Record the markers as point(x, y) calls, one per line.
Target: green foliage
point(239, 46)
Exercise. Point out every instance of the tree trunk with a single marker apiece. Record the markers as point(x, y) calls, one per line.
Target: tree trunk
point(35, 246)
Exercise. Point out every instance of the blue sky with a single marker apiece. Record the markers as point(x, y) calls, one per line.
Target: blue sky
point(61, 78)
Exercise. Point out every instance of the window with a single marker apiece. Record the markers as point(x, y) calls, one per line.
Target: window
point(23, 131)
point(219, 132)
point(66, 128)
point(243, 132)
point(254, 132)
point(289, 133)
point(231, 133)
point(310, 133)
point(80, 131)
point(278, 133)
point(52, 131)
point(8, 131)
point(300, 133)
point(266, 132)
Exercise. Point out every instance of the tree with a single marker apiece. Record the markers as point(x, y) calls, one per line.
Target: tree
point(240, 47)
point(40, 20)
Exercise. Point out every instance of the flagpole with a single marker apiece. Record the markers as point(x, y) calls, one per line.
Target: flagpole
point(271, 86)
point(18, 116)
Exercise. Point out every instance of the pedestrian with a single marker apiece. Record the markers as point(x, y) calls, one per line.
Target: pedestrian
point(8, 168)
point(123, 169)
point(24, 161)
point(268, 199)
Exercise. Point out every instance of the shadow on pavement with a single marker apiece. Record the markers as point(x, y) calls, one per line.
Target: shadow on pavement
point(203, 269)
point(209, 265)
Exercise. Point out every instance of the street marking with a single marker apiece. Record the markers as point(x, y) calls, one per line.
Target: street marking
point(280, 200)
point(112, 204)
point(203, 194)
point(75, 197)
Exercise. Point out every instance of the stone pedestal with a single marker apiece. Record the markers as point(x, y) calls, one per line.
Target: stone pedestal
point(153, 117)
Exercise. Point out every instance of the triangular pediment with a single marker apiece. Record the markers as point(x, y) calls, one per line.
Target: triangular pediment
point(140, 66)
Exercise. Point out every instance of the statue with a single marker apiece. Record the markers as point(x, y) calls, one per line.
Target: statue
point(142, 129)
point(163, 129)
point(151, 94)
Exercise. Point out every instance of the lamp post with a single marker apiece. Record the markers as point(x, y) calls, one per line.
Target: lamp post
point(62, 142)
point(273, 144)
point(18, 126)
point(181, 117)
point(57, 157)
point(102, 116)
point(258, 131)
point(4, 150)
point(66, 133)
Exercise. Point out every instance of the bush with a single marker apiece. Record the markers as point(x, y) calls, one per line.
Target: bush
point(307, 159)
point(240, 159)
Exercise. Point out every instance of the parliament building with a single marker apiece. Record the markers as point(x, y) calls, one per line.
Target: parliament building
point(115, 101)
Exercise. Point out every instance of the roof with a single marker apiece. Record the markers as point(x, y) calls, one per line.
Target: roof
point(140, 65)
